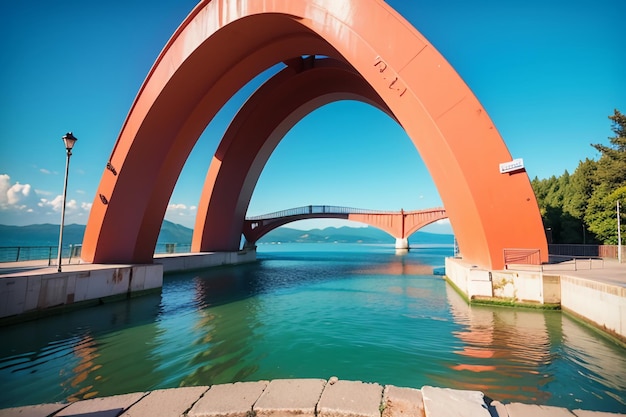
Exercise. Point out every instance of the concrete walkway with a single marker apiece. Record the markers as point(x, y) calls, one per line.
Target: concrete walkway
point(301, 398)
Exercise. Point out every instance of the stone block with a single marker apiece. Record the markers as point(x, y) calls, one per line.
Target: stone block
point(166, 402)
point(446, 402)
point(102, 407)
point(32, 292)
point(533, 410)
point(153, 277)
point(53, 291)
point(350, 398)
point(228, 400)
point(585, 413)
point(137, 278)
point(40, 410)
point(402, 402)
point(500, 409)
point(290, 397)
point(12, 296)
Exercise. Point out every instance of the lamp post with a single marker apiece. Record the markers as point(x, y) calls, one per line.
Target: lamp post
point(69, 141)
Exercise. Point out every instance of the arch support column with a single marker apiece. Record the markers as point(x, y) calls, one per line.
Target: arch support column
point(402, 243)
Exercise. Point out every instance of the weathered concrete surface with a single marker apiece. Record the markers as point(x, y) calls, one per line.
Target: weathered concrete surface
point(350, 399)
point(446, 402)
point(402, 402)
point(41, 410)
point(500, 409)
point(34, 290)
point(585, 413)
point(229, 400)
point(166, 402)
point(290, 397)
point(102, 407)
point(282, 398)
point(532, 410)
point(177, 262)
point(601, 303)
point(597, 296)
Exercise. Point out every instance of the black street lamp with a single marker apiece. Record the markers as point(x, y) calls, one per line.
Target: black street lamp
point(69, 140)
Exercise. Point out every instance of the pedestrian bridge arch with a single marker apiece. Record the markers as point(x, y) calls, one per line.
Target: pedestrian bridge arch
point(222, 45)
point(399, 224)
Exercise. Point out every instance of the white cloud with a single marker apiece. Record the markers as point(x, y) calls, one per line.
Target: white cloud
point(181, 213)
point(44, 171)
point(22, 204)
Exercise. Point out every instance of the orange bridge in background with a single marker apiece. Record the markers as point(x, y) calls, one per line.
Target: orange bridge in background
point(399, 224)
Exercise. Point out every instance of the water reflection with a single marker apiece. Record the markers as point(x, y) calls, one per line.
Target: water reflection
point(545, 353)
point(68, 357)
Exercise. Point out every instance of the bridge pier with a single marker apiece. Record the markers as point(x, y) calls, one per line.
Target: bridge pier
point(402, 243)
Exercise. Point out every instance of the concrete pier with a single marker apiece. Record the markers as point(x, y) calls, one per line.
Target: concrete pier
point(402, 243)
point(596, 294)
point(32, 288)
point(302, 398)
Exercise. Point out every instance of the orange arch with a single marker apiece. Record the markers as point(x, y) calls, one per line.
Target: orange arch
point(306, 84)
point(224, 43)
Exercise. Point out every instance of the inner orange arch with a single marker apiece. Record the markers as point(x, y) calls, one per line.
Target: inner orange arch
point(305, 85)
point(225, 43)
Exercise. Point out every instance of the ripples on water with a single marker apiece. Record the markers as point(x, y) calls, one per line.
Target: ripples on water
point(359, 313)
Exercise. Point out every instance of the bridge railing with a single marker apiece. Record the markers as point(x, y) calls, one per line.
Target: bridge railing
point(38, 253)
point(315, 209)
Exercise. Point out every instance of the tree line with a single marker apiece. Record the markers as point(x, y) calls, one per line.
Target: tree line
point(581, 207)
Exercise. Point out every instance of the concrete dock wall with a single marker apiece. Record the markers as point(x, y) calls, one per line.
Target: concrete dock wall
point(600, 303)
point(186, 262)
point(33, 291)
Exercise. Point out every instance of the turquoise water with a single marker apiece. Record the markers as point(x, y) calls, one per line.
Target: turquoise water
point(354, 311)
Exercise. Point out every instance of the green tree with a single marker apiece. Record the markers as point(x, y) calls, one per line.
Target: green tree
point(610, 183)
point(602, 214)
point(611, 168)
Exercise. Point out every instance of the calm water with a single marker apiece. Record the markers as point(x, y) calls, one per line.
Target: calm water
point(355, 311)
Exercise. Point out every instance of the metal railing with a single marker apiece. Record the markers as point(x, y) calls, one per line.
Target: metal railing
point(71, 253)
point(522, 257)
point(312, 209)
point(172, 248)
point(602, 251)
point(38, 253)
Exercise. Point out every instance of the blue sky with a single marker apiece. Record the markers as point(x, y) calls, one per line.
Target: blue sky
point(548, 73)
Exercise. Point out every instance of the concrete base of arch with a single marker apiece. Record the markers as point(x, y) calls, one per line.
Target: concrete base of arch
point(402, 243)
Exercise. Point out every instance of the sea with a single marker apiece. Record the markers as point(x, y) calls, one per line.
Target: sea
point(354, 311)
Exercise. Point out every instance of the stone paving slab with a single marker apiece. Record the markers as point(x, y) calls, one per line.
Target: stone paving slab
point(500, 409)
point(102, 407)
point(228, 400)
point(446, 402)
point(402, 402)
point(350, 399)
point(40, 410)
point(166, 402)
point(585, 413)
point(290, 397)
point(532, 410)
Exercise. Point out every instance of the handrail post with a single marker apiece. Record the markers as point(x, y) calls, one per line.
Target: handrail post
point(17, 258)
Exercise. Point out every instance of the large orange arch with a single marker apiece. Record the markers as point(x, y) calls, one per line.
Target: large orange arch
point(224, 43)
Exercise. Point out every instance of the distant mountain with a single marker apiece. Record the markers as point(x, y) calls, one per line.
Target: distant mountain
point(348, 235)
point(48, 235)
point(40, 235)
